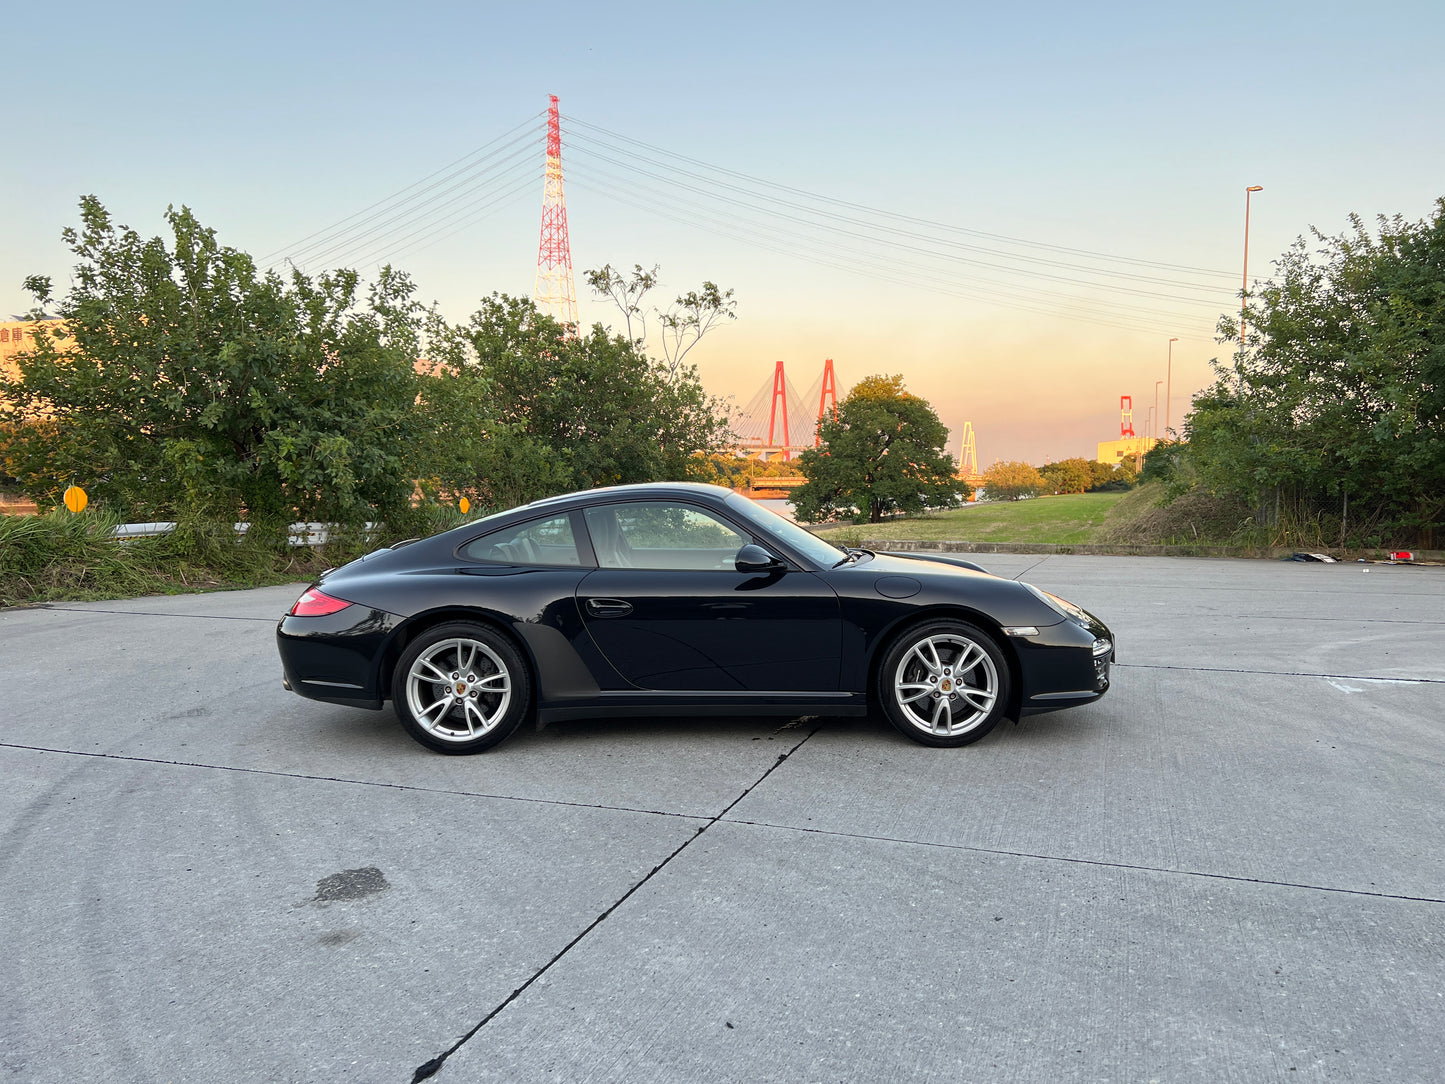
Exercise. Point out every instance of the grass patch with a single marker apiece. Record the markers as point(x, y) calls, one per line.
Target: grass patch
point(64, 557)
point(1071, 518)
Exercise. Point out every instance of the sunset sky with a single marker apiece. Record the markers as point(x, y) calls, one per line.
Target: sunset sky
point(1014, 206)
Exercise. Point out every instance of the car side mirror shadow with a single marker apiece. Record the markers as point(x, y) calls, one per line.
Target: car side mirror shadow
point(753, 558)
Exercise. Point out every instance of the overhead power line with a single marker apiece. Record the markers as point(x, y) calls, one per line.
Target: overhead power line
point(885, 269)
point(433, 197)
point(914, 243)
point(936, 257)
point(1121, 292)
point(814, 199)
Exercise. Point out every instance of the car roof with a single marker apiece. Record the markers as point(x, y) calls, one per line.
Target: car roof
point(639, 491)
point(634, 492)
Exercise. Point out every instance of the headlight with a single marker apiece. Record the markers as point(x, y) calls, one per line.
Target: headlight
point(1063, 606)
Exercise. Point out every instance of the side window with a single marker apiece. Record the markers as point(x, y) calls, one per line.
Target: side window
point(662, 535)
point(540, 542)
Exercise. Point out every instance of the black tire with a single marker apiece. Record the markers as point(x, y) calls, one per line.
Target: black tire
point(461, 688)
point(943, 683)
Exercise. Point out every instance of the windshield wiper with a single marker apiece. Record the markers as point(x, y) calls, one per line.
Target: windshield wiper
point(849, 555)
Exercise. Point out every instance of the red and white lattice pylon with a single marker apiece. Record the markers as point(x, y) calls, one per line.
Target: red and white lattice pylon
point(555, 292)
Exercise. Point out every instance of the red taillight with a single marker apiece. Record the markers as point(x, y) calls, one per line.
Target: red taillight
point(316, 604)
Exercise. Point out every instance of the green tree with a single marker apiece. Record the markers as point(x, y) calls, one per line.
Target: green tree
point(184, 380)
point(1011, 480)
point(1111, 478)
point(732, 470)
point(884, 453)
point(570, 411)
point(1340, 388)
point(494, 463)
point(1103, 475)
point(1165, 461)
point(1068, 475)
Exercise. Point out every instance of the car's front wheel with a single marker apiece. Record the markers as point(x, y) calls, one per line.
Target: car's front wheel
point(944, 682)
point(460, 688)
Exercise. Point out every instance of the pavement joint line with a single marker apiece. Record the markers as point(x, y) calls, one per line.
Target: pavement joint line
point(1297, 619)
point(714, 820)
point(152, 613)
point(1142, 591)
point(431, 1067)
point(349, 782)
point(1093, 862)
point(1279, 673)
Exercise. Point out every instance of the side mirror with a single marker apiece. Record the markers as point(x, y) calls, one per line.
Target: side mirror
point(753, 558)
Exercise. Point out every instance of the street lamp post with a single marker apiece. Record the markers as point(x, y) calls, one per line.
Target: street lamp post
point(1168, 386)
point(1244, 289)
point(1155, 415)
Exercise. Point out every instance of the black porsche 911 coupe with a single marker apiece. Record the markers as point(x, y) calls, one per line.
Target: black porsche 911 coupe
point(679, 599)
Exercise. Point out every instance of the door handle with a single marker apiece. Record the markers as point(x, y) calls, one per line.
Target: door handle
point(608, 607)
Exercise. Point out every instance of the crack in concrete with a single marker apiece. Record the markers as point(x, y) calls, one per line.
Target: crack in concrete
point(1031, 567)
point(433, 1066)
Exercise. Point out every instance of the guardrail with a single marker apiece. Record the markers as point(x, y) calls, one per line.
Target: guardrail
point(300, 534)
point(789, 482)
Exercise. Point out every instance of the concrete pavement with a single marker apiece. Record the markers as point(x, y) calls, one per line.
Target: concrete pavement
point(1229, 869)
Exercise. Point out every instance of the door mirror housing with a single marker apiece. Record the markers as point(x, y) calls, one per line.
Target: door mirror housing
point(753, 558)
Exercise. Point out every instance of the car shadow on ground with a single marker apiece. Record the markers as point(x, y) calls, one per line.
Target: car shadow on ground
point(379, 732)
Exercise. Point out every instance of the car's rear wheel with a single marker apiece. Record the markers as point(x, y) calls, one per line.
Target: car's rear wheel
point(460, 688)
point(944, 682)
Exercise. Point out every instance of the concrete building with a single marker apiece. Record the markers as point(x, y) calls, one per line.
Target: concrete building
point(17, 336)
point(1114, 452)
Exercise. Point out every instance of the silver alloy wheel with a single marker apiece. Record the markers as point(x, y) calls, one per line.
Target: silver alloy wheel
point(946, 684)
point(458, 689)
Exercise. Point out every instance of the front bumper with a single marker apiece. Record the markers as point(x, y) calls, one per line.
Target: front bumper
point(1064, 665)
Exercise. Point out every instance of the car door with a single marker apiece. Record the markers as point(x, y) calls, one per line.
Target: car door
point(670, 611)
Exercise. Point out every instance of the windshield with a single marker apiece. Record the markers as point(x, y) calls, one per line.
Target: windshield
point(822, 554)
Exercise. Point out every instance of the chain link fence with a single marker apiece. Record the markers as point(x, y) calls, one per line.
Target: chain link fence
point(1287, 516)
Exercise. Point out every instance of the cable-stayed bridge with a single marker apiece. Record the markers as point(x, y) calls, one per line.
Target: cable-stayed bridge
point(777, 422)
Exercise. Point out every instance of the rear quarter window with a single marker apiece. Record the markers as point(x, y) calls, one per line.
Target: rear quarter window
point(537, 542)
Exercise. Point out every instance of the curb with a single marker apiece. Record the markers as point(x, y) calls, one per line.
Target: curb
point(1093, 550)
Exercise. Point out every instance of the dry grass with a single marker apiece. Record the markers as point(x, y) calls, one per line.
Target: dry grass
point(1196, 517)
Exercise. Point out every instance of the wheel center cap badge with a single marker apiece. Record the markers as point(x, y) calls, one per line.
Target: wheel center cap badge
point(461, 687)
point(947, 685)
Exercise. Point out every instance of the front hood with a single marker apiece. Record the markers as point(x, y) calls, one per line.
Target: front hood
point(938, 580)
point(911, 564)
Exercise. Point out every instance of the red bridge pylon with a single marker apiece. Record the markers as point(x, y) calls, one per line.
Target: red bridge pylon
point(771, 424)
